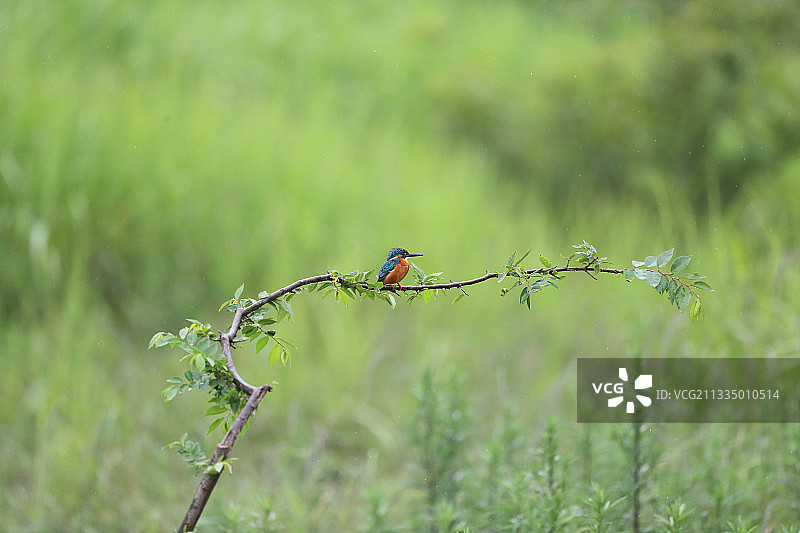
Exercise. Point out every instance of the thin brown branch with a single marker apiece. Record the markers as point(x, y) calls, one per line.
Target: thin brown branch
point(490, 275)
point(461, 289)
point(226, 339)
point(241, 384)
point(280, 292)
point(223, 449)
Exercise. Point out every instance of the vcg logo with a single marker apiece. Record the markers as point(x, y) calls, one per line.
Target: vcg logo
point(644, 381)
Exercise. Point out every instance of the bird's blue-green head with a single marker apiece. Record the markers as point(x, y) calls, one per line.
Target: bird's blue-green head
point(400, 252)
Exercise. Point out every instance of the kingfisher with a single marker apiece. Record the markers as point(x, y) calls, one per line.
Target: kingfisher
point(395, 268)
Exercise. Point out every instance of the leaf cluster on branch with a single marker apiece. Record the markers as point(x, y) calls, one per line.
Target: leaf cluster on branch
point(681, 288)
point(212, 368)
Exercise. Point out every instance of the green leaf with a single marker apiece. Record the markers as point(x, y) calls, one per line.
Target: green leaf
point(341, 296)
point(674, 290)
point(199, 362)
point(238, 293)
point(683, 302)
point(211, 351)
point(640, 273)
point(204, 344)
point(703, 285)
point(432, 278)
point(285, 357)
point(214, 424)
point(545, 261)
point(183, 332)
point(663, 284)
point(664, 257)
point(262, 295)
point(215, 410)
point(274, 355)
point(170, 393)
point(653, 278)
point(155, 339)
point(696, 309)
point(540, 284)
point(250, 331)
point(227, 303)
point(169, 338)
point(348, 291)
point(458, 297)
point(680, 263)
point(191, 338)
point(637, 264)
point(286, 307)
point(262, 342)
point(501, 276)
point(286, 344)
point(418, 273)
point(694, 275)
point(521, 259)
point(510, 261)
point(628, 273)
point(389, 298)
point(650, 261)
point(674, 286)
point(525, 297)
point(186, 348)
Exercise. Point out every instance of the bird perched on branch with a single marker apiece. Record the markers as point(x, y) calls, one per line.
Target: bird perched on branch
point(395, 268)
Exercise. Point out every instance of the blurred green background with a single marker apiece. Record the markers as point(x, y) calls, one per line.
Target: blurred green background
point(155, 155)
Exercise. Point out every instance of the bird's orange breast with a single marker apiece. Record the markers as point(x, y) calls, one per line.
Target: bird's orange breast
point(398, 272)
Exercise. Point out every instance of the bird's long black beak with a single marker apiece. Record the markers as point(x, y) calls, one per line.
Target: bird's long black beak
point(413, 255)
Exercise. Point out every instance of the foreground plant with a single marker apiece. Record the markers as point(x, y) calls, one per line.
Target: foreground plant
point(212, 369)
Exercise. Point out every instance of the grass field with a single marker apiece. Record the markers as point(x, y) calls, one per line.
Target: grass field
point(155, 156)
